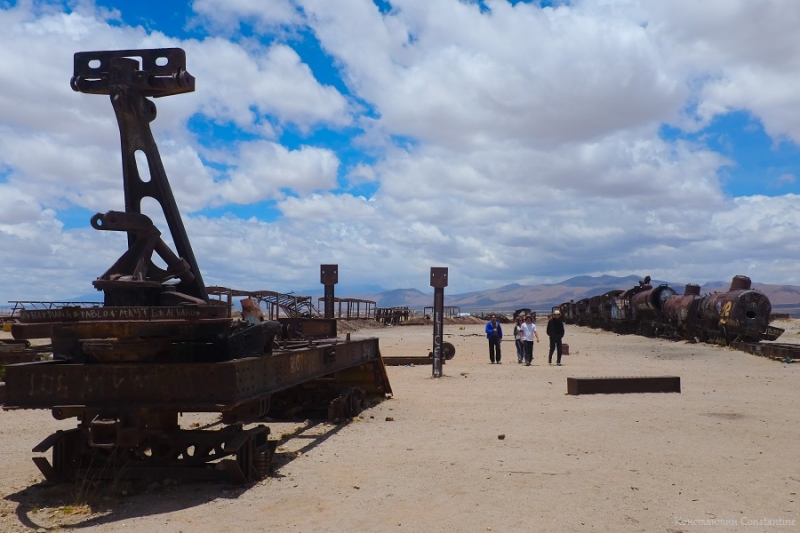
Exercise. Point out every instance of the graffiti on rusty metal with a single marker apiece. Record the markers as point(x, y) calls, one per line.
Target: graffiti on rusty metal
point(71, 314)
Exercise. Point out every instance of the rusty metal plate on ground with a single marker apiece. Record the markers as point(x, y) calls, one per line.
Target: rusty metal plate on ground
point(623, 385)
point(410, 360)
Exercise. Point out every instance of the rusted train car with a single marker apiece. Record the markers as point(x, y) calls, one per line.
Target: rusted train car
point(740, 314)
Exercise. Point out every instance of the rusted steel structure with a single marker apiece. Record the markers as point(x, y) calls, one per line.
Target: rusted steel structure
point(277, 304)
point(448, 311)
point(159, 345)
point(17, 351)
point(783, 352)
point(448, 352)
point(295, 325)
point(740, 314)
point(392, 315)
point(20, 305)
point(354, 308)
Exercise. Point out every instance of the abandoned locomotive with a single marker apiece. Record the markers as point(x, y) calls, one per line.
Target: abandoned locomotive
point(739, 314)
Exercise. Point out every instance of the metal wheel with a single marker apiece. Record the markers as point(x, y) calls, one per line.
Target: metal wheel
point(448, 351)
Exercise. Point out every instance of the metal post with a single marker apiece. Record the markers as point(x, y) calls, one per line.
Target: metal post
point(329, 276)
point(438, 282)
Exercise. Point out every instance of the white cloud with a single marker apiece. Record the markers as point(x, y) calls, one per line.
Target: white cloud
point(520, 144)
point(740, 55)
point(362, 173)
point(266, 169)
point(444, 73)
point(243, 86)
point(321, 208)
point(266, 15)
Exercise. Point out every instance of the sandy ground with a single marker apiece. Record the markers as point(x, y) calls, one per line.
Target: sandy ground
point(723, 454)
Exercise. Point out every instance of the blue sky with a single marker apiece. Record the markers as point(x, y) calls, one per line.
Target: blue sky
point(759, 164)
point(514, 142)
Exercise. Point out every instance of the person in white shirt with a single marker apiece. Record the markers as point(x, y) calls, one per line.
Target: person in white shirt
point(528, 333)
point(518, 340)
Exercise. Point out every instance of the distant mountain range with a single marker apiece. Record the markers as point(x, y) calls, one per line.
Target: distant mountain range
point(543, 297)
point(516, 296)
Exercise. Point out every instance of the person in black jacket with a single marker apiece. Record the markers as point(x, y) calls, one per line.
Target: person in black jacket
point(555, 330)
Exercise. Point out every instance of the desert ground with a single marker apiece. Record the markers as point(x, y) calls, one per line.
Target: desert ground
point(487, 447)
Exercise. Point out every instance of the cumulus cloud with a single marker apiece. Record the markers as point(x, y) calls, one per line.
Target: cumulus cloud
point(246, 85)
point(264, 15)
point(266, 170)
point(463, 78)
point(320, 208)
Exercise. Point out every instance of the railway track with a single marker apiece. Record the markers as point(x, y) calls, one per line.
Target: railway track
point(787, 353)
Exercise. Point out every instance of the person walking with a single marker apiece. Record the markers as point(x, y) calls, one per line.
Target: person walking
point(494, 332)
point(529, 332)
point(518, 340)
point(555, 330)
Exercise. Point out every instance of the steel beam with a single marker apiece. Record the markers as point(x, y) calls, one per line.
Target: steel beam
point(622, 385)
point(438, 282)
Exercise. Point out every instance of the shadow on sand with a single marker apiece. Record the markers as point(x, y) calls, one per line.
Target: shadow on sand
point(88, 503)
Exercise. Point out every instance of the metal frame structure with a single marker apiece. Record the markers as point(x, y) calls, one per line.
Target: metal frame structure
point(352, 308)
point(448, 311)
point(20, 305)
point(278, 305)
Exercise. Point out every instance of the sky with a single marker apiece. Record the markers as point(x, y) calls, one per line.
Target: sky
point(510, 141)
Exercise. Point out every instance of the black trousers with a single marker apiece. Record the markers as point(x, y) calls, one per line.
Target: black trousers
point(528, 351)
point(494, 346)
point(555, 346)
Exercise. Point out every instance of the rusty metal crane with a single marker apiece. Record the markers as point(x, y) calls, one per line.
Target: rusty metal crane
point(159, 346)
